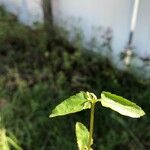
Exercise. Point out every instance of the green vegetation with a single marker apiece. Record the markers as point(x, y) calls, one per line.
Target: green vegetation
point(37, 71)
point(86, 100)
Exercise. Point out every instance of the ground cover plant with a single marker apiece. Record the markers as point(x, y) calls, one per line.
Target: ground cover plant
point(36, 73)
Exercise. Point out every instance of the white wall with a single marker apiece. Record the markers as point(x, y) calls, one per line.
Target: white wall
point(114, 14)
point(142, 33)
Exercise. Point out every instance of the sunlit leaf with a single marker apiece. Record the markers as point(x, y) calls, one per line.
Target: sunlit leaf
point(73, 104)
point(82, 135)
point(121, 105)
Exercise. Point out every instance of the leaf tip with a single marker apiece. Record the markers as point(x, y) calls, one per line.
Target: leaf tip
point(51, 115)
point(142, 113)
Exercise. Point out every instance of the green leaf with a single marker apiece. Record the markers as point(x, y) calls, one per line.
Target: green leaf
point(121, 105)
point(73, 104)
point(82, 135)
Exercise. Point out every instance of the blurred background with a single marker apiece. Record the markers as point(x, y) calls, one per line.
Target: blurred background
point(51, 49)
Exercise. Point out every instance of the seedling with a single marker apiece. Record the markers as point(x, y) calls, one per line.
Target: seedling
point(86, 100)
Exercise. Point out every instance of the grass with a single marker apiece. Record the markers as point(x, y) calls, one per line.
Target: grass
point(35, 75)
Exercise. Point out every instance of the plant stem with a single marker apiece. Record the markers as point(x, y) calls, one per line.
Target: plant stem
point(91, 124)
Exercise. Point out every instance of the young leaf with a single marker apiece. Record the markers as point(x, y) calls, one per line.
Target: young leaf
point(73, 104)
point(82, 135)
point(121, 105)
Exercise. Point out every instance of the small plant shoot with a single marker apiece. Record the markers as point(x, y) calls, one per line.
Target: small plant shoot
point(87, 100)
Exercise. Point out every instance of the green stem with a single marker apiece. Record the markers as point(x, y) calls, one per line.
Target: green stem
point(91, 125)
